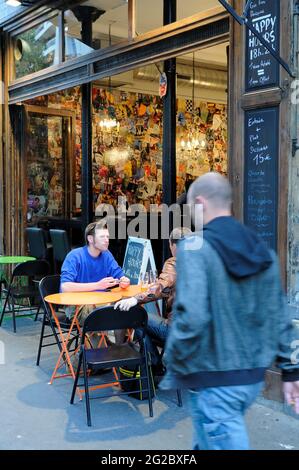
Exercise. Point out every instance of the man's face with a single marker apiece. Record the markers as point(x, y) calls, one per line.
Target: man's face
point(101, 239)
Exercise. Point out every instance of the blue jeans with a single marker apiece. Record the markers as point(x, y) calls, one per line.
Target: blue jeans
point(218, 416)
point(156, 328)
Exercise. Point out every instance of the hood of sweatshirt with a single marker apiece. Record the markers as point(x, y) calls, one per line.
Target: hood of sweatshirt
point(241, 250)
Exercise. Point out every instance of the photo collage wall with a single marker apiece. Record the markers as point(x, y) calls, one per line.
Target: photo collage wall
point(127, 151)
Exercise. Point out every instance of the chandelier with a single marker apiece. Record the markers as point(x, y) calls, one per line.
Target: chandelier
point(195, 140)
point(109, 125)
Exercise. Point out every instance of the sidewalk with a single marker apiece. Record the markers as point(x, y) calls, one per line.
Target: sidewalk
point(35, 415)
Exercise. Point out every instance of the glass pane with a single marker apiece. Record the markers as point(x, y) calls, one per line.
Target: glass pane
point(192, 7)
point(149, 15)
point(110, 26)
point(201, 114)
point(36, 49)
point(70, 100)
point(7, 11)
point(127, 127)
point(46, 166)
point(127, 147)
point(74, 47)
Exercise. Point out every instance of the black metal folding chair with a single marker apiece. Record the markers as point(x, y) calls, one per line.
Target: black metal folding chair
point(61, 246)
point(47, 286)
point(33, 271)
point(37, 241)
point(107, 319)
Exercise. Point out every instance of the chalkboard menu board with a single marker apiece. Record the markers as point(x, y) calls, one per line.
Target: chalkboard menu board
point(261, 173)
point(139, 258)
point(133, 261)
point(262, 69)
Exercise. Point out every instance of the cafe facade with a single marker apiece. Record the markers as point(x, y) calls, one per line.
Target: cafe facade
point(129, 100)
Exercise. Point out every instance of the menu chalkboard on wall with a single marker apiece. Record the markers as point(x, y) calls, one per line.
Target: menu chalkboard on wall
point(262, 69)
point(261, 173)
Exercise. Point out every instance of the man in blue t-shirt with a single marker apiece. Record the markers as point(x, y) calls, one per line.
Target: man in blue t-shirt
point(92, 267)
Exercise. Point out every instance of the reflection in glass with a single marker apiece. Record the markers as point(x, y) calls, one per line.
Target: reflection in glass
point(36, 48)
point(74, 47)
point(46, 166)
point(109, 27)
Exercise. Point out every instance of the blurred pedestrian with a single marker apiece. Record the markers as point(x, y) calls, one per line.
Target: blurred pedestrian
point(229, 321)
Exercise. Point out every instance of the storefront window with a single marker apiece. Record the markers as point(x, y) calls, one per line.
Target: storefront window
point(201, 140)
point(48, 166)
point(127, 147)
point(128, 133)
point(127, 144)
point(36, 49)
point(66, 103)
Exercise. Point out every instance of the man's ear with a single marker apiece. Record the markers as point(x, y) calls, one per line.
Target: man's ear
point(200, 200)
point(89, 239)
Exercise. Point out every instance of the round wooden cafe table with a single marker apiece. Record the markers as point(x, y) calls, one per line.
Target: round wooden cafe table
point(77, 299)
point(129, 291)
point(83, 298)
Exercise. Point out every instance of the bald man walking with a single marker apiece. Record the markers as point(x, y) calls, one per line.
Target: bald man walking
point(229, 321)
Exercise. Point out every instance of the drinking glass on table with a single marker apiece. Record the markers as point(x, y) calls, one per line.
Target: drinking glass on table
point(144, 281)
point(153, 287)
point(153, 276)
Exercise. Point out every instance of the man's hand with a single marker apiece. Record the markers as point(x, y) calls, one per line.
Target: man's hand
point(107, 283)
point(124, 282)
point(126, 304)
point(291, 394)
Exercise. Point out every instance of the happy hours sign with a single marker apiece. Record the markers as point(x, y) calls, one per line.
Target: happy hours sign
point(262, 69)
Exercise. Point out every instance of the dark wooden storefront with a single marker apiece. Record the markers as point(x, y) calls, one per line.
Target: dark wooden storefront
point(186, 35)
point(198, 32)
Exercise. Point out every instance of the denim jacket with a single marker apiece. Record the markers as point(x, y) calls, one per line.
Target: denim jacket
point(226, 331)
